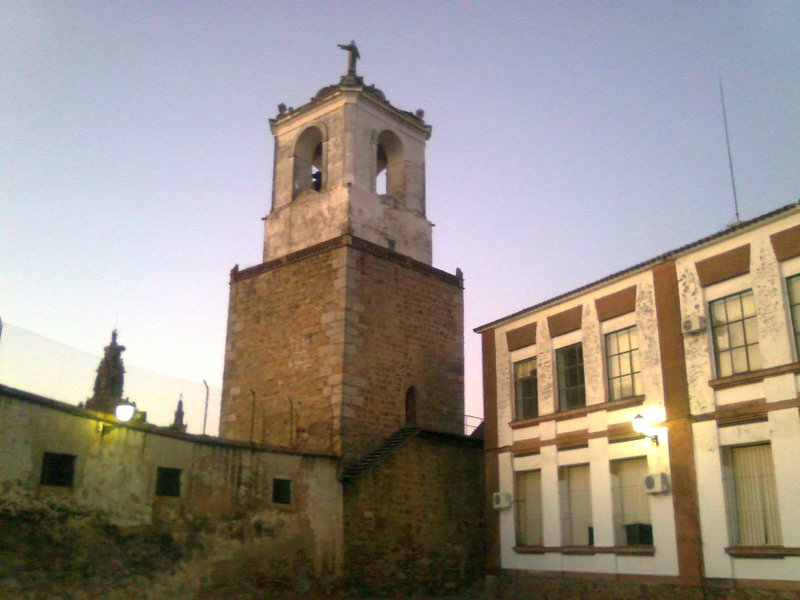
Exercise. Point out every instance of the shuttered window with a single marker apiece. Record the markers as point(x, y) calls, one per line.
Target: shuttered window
point(750, 495)
point(576, 506)
point(528, 508)
point(632, 523)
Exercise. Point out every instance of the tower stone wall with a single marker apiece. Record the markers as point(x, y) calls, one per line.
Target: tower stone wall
point(325, 344)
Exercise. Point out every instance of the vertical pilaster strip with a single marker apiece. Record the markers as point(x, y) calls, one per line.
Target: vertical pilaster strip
point(490, 448)
point(679, 424)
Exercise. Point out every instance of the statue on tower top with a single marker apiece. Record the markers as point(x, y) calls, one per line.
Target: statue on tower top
point(352, 50)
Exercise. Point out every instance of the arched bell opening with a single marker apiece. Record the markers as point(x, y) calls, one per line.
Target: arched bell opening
point(390, 165)
point(309, 171)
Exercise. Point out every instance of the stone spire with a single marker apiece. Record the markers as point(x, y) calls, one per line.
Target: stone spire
point(109, 381)
point(177, 422)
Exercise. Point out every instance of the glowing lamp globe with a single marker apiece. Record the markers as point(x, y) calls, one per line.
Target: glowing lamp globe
point(124, 411)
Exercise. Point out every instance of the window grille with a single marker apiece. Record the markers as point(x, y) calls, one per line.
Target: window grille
point(282, 491)
point(750, 495)
point(632, 522)
point(528, 508)
point(735, 332)
point(622, 362)
point(58, 469)
point(168, 482)
point(576, 506)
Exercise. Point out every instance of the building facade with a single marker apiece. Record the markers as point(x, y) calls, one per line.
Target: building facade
point(643, 427)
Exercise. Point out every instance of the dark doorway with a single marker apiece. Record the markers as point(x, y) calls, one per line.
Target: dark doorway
point(411, 406)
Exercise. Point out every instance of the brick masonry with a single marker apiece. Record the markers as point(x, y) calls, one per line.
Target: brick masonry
point(414, 523)
point(331, 338)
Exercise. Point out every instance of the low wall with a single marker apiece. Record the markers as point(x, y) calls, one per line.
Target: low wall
point(221, 505)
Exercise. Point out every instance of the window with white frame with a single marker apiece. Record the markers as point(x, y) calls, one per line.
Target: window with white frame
point(750, 496)
point(575, 499)
point(622, 363)
point(735, 333)
point(569, 368)
point(632, 523)
point(526, 399)
point(528, 507)
point(793, 285)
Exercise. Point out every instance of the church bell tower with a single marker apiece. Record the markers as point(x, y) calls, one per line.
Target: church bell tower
point(345, 332)
point(349, 162)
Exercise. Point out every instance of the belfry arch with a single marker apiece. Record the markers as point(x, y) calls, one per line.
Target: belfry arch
point(390, 162)
point(309, 161)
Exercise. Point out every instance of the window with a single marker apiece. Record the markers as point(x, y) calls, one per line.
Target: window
point(632, 523)
point(528, 508)
point(793, 285)
point(58, 469)
point(750, 496)
point(526, 397)
point(282, 491)
point(735, 332)
point(576, 506)
point(569, 364)
point(622, 362)
point(168, 482)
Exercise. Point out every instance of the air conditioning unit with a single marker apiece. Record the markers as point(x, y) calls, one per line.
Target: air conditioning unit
point(501, 500)
point(656, 483)
point(694, 324)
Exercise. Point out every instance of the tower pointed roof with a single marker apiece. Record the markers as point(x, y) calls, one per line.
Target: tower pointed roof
point(110, 379)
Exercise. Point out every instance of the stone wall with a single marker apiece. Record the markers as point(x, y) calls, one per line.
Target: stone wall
point(404, 328)
point(223, 508)
point(330, 339)
point(414, 523)
point(285, 346)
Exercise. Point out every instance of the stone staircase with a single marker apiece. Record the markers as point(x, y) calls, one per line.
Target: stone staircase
point(373, 458)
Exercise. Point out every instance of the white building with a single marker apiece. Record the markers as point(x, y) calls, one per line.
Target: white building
point(701, 344)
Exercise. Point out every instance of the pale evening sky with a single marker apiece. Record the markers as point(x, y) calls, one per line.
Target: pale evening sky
point(570, 140)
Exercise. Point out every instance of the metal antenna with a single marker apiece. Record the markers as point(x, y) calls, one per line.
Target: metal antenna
point(728, 143)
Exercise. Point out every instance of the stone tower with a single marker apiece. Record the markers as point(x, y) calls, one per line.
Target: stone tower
point(110, 379)
point(345, 332)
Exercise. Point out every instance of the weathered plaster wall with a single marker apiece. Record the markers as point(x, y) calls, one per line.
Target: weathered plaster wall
point(414, 523)
point(115, 478)
point(348, 203)
point(766, 278)
point(599, 451)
